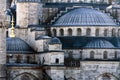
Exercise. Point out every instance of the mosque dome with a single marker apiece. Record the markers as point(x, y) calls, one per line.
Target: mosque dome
point(85, 17)
point(100, 43)
point(54, 41)
point(17, 45)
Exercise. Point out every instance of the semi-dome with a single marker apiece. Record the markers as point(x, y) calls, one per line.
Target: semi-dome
point(54, 41)
point(17, 45)
point(100, 43)
point(85, 17)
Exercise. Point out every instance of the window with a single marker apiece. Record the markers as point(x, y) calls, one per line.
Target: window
point(97, 32)
point(105, 55)
point(69, 32)
point(61, 32)
point(88, 32)
point(54, 32)
point(79, 32)
point(57, 61)
point(105, 32)
point(119, 32)
point(92, 55)
point(115, 54)
point(113, 32)
point(81, 54)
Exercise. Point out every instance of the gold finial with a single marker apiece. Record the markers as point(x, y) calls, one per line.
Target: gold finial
point(12, 29)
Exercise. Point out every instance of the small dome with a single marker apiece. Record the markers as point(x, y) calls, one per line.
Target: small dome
point(100, 43)
point(16, 45)
point(85, 17)
point(54, 41)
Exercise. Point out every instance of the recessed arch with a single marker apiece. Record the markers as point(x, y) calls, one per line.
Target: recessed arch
point(61, 32)
point(119, 32)
point(79, 32)
point(106, 32)
point(106, 76)
point(113, 32)
point(69, 32)
point(54, 32)
point(25, 76)
point(88, 32)
point(97, 32)
point(92, 54)
point(105, 55)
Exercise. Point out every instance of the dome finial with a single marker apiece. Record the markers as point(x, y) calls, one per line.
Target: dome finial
point(12, 29)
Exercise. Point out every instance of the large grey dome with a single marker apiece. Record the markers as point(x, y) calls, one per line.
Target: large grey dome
point(85, 17)
point(16, 45)
point(100, 43)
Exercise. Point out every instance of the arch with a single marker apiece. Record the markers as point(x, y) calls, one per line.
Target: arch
point(69, 32)
point(92, 53)
point(61, 32)
point(113, 32)
point(81, 54)
point(105, 55)
point(106, 76)
point(70, 78)
point(115, 54)
point(106, 32)
point(119, 32)
point(97, 32)
point(54, 32)
point(79, 32)
point(25, 76)
point(88, 32)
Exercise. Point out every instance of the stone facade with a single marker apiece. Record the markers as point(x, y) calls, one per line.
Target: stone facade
point(43, 51)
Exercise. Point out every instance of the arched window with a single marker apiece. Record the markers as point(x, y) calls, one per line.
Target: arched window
point(105, 32)
point(79, 32)
point(18, 58)
point(97, 32)
point(61, 32)
point(113, 32)
point(28, 59)
point(54, 32)
point(80, 54)
point(119, 32)
point(69, 32)
point(57, 61)
point(88, 32)
point(105, 55)
point(115, 54)
point(92, 55)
